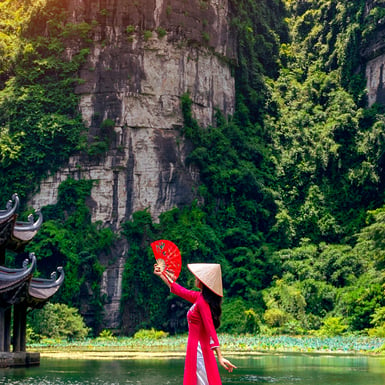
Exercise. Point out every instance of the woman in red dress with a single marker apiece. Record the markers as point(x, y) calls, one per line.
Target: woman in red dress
point(203, 318)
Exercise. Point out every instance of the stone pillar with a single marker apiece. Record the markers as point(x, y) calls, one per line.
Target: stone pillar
point(23, 328)
point(7, 329)
point(19, 328)
point(2, 328)
point(2, 255)
point(16, 329)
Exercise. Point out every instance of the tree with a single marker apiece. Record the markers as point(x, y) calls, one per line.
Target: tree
point(70, 239)
point(333, 326)
point(58, 321)
point(371, 239)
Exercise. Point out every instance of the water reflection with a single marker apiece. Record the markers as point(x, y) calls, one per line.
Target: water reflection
point(291, 369)
point(309, 369)
point(96, 372)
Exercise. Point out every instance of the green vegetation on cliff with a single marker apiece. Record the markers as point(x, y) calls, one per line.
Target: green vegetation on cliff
point(292, 183)
point(39, 121)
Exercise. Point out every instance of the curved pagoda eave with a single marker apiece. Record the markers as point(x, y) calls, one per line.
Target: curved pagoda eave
point(23, 232)
point(41, 290)
point(14, 282)
point(11, 207)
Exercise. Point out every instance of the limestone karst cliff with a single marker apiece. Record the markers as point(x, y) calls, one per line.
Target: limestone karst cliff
point(145, 54)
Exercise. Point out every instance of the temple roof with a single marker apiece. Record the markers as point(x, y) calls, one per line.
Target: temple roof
point(17, 285)
point(8, 219)
point(15, 235)
point(23, 232)
point(14, 282)
point(40, 290)
point(11, 208)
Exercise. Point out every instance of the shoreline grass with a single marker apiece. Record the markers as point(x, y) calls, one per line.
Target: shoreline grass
point(231, 344)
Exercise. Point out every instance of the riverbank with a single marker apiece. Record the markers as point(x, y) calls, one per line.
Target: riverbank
point(174, 346)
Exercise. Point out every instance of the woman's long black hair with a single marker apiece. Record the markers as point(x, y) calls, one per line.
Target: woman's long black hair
point(215, 302)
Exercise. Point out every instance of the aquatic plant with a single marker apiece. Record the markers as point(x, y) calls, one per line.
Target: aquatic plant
point(229, 342)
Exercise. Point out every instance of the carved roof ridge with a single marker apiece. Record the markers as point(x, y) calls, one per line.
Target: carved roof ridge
point(10, 210)
point(49, 282)
point(9, 274)
point(31, 225)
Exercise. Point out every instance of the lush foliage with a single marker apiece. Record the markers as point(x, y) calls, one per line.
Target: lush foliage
point(230, 343)
point(150, 334)
point(328, 159)
point(39, 121)
point(326, 145)
point(291, 201)
point(69, 238)
point(57, 321)
point(141, 289)
point(260, 28)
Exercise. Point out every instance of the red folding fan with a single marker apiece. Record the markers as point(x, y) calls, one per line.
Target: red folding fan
point(168, 258)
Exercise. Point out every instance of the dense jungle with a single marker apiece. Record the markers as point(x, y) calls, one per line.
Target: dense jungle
point(291, 195)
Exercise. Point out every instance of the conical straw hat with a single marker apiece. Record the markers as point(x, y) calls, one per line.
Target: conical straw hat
point(209, 274)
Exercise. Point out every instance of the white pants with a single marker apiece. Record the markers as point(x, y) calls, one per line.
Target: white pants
point(201, 369)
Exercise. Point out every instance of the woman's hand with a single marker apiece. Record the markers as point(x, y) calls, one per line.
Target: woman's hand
point(223, 361)
point(159, 273)
point(226, 364)
point(157, 270)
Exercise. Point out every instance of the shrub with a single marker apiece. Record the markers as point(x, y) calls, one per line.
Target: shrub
point(106, 335)
point(130, 29)
point(32, 336)
point(378, 317)
point(378, 320)
point(251, 321)
point(147, 35)
point(238, 318)
point(276, 317)
point(293, 327)
point(332, 326)
point(161, 32)
point(378, 331)
point(58, 321)
point(150, 334)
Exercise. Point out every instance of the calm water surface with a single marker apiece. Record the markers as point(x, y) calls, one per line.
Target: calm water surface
point(307, 369)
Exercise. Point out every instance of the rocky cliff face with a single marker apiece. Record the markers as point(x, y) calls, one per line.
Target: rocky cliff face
point(373, 54)
point(145, 55)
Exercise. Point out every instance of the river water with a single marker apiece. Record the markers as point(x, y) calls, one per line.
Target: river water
point(276, 369)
